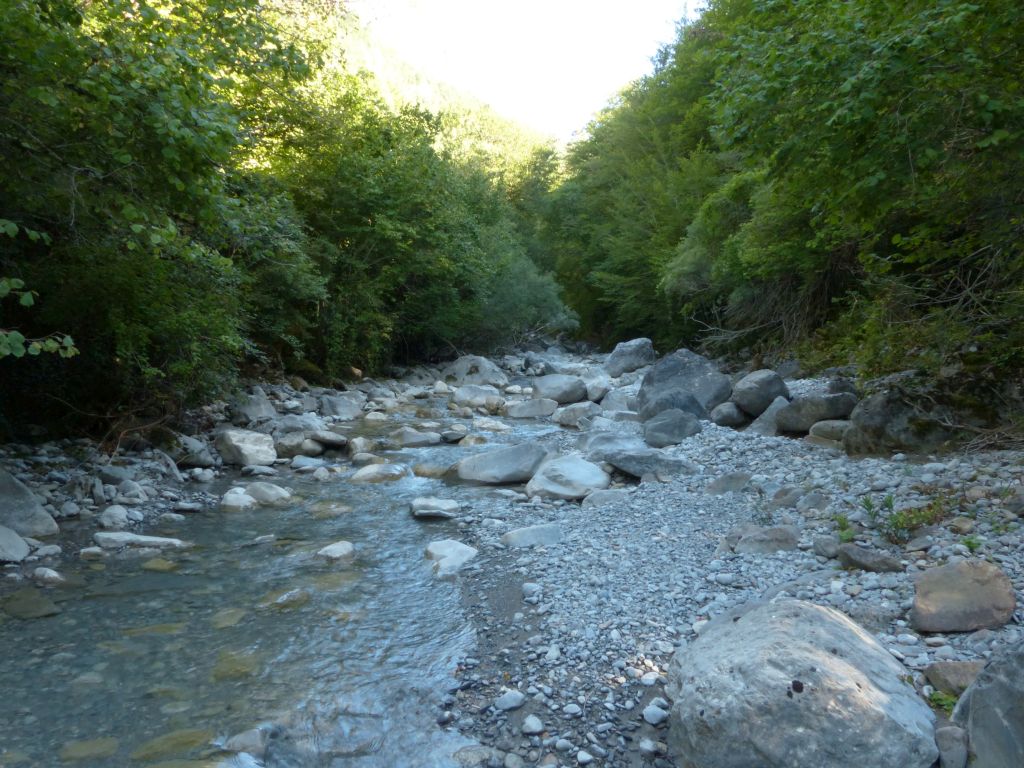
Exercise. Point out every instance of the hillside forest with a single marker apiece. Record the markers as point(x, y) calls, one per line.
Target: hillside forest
point(192, 193)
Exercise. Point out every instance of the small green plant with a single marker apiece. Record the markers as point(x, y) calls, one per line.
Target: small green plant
point(846, 533)
point(972, 542)
point(942, 701)
point(869, 507)
point(899, 526)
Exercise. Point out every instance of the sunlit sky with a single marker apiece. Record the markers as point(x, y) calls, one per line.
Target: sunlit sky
point(549, 64)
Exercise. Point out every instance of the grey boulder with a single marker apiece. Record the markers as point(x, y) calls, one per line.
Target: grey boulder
point(560, 388)
point(630, 355)
point(473, 369)
point(756, 391)
point(790, 684)
point(670, 427)
point(991, 711)
point(345, 406)
point(728, 414)
point(962, 597)
point(767, 423)
point(13, 548)
point(515, 464)
point(682, 373)
point(804, 412)
point(567, 477)
point(21, 511)
point(536, 408)
point(244, 447)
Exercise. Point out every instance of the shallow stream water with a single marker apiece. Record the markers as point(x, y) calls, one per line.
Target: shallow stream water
point(153, 658)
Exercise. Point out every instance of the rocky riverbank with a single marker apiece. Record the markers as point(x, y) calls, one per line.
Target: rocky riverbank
point(616, 574)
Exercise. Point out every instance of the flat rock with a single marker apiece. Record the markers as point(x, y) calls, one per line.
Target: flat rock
point(545, 535)
point(514, 464)
point(21, 511)
point(338, 550)
point(991, 711)
point(475, 395)
point(449, 556)
point(649, 461)
point(29, 603)
point(765, 541)
point(379, 473)
point(267, 493)
point(537, 408)
point(790, 684)
point(407, 437)
point(120, 539)
point(853, 556)
point(244, 447)
point(962, 597)
point(567, 477)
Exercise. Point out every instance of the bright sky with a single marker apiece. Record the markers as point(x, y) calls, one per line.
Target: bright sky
point(550, 64)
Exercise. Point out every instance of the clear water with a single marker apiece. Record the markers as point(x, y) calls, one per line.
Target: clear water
point(349, 660)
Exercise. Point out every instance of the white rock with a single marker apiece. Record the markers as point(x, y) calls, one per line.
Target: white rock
point(338, 550)
point(244, 447)
point(267, 493)
point(535, 535)
point(532, 725)
point(379, 473)
point(119, 539)
point(450, 556)
point(510, 700)
point(236, 500)
point(13, 548)
point(429, 507)
point(567, 477)
point(47, 576)
point(114, 518)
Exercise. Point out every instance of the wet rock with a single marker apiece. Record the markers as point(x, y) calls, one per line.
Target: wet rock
point(536, 408)
point(670, 427)
point(430, 508)
point(473, 369)
point(854, 556)
point(515, 464)
point(121, 539)
point(545, 535)
point(328, 438)
point(13, 548)
point(686, 373)
point(89, 749)
point(21, 511)
point(243, 447)
point(449, 556)
point(293, 444)
point(346, 406)
point(407, 437)
point(172, 744)
point(962, 597)
point(29, 603)
point(47, 576)
point(793, 685)
point(803, 412)
point(339, 550)
point(560, 388)
point(476, 396)
point(267, 493)
point(237, 500)
point(991, 711)
point(629, 356)
point(567, 477)
point(379, 473)
point(756, 391)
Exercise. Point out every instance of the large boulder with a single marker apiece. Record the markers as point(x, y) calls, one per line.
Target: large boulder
point(567, 477)
point(560, 388)
point(407, 437)
point(573, 415)
point(345, 406)
point(756, 391)
point(897, 420)
point(21, 511)
point(803, 412)
point(671, 399)
point(473, 369)
point(531, 409)
point(475, 395)
point(630, 355)
point(245, 447)
point(766, 424)
point(254, 408)
point(190, 451)
point(962, 597)
point(679, 374)
point(670, 427)
point(728, 414)
point(790, 684)
point(991, 711)
point(514, 464)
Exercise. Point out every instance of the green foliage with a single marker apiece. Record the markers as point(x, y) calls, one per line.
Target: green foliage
point(943, 701)
point(839, 172)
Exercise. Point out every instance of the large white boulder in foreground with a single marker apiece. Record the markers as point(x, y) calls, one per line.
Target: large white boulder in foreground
point(794, 685)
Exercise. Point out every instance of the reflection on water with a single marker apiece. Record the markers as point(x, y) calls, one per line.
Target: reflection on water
point(151, 658)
